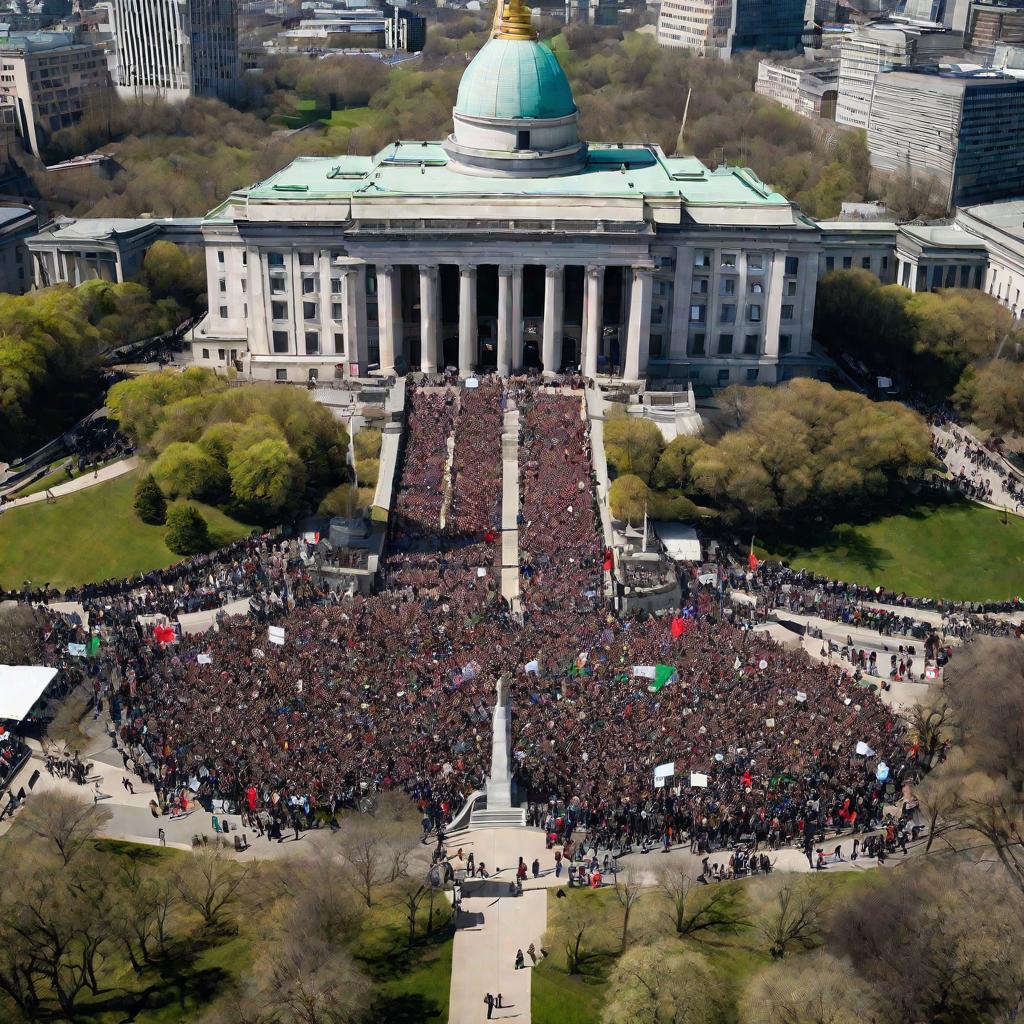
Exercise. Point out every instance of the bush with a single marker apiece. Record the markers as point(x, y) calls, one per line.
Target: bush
point(343, 498)
point(150, 505)
point(367, 443)
point(632, 444)
point(185, 470)
point(187, 532)
point(367, 471)
point(629, 497)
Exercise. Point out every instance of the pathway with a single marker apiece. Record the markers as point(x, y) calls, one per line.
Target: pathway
point(956, 440)
point(111, 472)
point(510, 506)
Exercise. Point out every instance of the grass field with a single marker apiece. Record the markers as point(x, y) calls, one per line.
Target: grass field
point(91, 535)
point(957, 551)
point(352, 117)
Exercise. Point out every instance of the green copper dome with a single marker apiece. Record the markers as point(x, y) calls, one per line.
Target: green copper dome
point(512, 78)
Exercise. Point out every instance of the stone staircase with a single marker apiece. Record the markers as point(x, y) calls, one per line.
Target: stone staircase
point(497, 817)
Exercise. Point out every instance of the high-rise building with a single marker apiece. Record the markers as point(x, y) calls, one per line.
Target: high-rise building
point(882, 46)
point(716, 28)
point(47, 78)
point(991, 23)
point(961, 128)
point(176, 48)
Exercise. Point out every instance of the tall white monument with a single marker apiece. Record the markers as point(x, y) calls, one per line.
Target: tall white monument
point(499, 782)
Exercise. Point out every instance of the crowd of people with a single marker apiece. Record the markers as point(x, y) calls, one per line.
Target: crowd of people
point(396, 689)
point(977, 472)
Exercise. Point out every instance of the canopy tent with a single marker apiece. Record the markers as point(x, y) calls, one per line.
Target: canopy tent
point(20, 687)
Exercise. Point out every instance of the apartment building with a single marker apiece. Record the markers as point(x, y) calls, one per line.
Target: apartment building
point(717, 28)
point(47, 78)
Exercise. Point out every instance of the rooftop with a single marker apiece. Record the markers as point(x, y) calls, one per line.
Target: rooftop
point(35, 42)
point(1008, 216)
point(68, 229)
point(417, 169)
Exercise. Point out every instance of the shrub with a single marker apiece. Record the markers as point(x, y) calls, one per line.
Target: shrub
point(629, 496)
point(187, 532)
point(150, 505)
point(367, 471)
point(367, 443)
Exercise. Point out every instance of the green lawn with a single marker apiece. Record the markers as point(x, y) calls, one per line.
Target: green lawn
point(91, 535)
point(957, 551)
point(352, 117)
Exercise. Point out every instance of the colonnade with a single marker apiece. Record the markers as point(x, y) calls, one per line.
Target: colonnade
point(510, 325)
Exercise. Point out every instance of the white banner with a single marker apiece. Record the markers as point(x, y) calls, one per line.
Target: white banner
point(698, 781)
point(863, 750)
point(76, 650)
point(644, 671)
point(532, 666)
point(205, 659)
point(801, 696)
point(275, 634)
point(663, 771)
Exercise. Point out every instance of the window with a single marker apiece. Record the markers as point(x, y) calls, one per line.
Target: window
point(700, 286)
point(791, 288)
point(309, 311)
point(697, 345)
point(280, 374)
point(306, 259)
point(865, 262)
point(220, 354)
point(965, 276)
point(223, 312)
point(725, 344)
point(276, 285)
point(937, 279)
point(523, 139)
point(222, 285)
point(279, 311)
point(723, 377)
point(729, 260)
point(280, 341)
point(885, 263)
point(754, 313)
point(655, 347)
point(785, 344)
point(701, 258)
point(751, 343)
point(220, 256)
point(755, 261)
point(752, 373)
point(243, 283)
point(787, 312)
point(275, 259)
point(309, 284)
point(830, 264)
point(847, 262)
point(657, 314)
point(206, 353)
point(728, 315)
point(335, 285)
point(339, 343)
point(336, 311)
point(792, 264)
point(727, 286)
point(312, 343)
point(698, 314)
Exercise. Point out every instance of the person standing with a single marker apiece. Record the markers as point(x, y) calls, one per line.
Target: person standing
point(520, 960)
point(489, 1000)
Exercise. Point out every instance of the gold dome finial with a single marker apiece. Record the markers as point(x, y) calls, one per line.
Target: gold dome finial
point(515, 22)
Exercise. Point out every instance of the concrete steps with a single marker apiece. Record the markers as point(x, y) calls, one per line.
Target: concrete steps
point(498, 817)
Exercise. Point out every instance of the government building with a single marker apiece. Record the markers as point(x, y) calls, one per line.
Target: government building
point(512, 244)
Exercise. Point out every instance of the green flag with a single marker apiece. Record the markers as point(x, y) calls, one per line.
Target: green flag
point(663, 675)
point(93, 646)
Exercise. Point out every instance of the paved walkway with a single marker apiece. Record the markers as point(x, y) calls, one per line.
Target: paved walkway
point(958, 444)
point(510, 506)
point(80, 483)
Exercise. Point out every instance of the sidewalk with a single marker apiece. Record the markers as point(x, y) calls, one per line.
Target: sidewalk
point(111, 472)
point(510, 507)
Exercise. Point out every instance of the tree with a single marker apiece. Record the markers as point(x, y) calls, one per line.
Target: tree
point(693, 907)
point(632, 444)
point(267, 473)
point(185, 470)
point(209, 883)
point(20, 626)
point(150, 505)
point(628, 891)
point(367, 443)
point(176, 272)
point(629, 498)
point(187, 532)
point(367, 471)
point(651, 986)
point(796, 919)
point(410, 896)
point(373, 855)
point(813, 989)
point(992, 394)
point(345, 500)
point(675, 464)
point(65, 821)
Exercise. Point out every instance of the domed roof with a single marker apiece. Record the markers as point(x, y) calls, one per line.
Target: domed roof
point(512, 78)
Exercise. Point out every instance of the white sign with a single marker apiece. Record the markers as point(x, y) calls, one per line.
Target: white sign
point(663, 771)
point(770, 722)
point(472, 382)
point(863, 750)
point(644, 671)
point(275, 634)
point(707, 579)
point(532, 666)
point(76, 650)
point(659, 783)
point(698, 781)
point(481, 571)
point(205, 659)
point(801, 696)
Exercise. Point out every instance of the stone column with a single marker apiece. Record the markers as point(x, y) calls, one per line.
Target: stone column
point(516, 282)
point(430, 319)
point(356, 340)
point(554, 308)
point(592, 300)
point(506, 287)
point(776, 281)
point(806, 290)
point(467, 319)
point(389, 314)
point(259, 310)
point(638, 338)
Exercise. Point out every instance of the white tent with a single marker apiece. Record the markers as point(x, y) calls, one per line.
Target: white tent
point(20, 687)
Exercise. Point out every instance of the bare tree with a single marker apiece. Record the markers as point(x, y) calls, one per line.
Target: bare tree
point(208, 882)
point(627, 891)
point(371, 857)
point(931, 723)
point(694, 907)
point(648, 986)
point(796, 919)
point(65, 820)
point(410, 897)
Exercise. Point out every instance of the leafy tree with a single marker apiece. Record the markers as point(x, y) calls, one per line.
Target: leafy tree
point(185, 470)
point(649, 986)
point(992, 394)
point(267, 474)
point(345, 498)
point(176, 272)
point(367, 471)
point(675, 464)
point(138, 404)
point(629, 498)
point(187, 532)
point(150, 505)
point(367, 443)
point(632, 444)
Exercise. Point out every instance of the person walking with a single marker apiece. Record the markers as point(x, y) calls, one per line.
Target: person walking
point(520, 960)
point(162, 836)
point(489, 1000)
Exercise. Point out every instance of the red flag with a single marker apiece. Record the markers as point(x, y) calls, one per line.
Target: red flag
point(678, 626)
point(752, 558)
point(609, 560)
point(489, 536)
point(163, 634)
point(748, 780)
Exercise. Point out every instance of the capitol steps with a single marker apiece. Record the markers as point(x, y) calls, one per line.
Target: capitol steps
point(498, 817)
